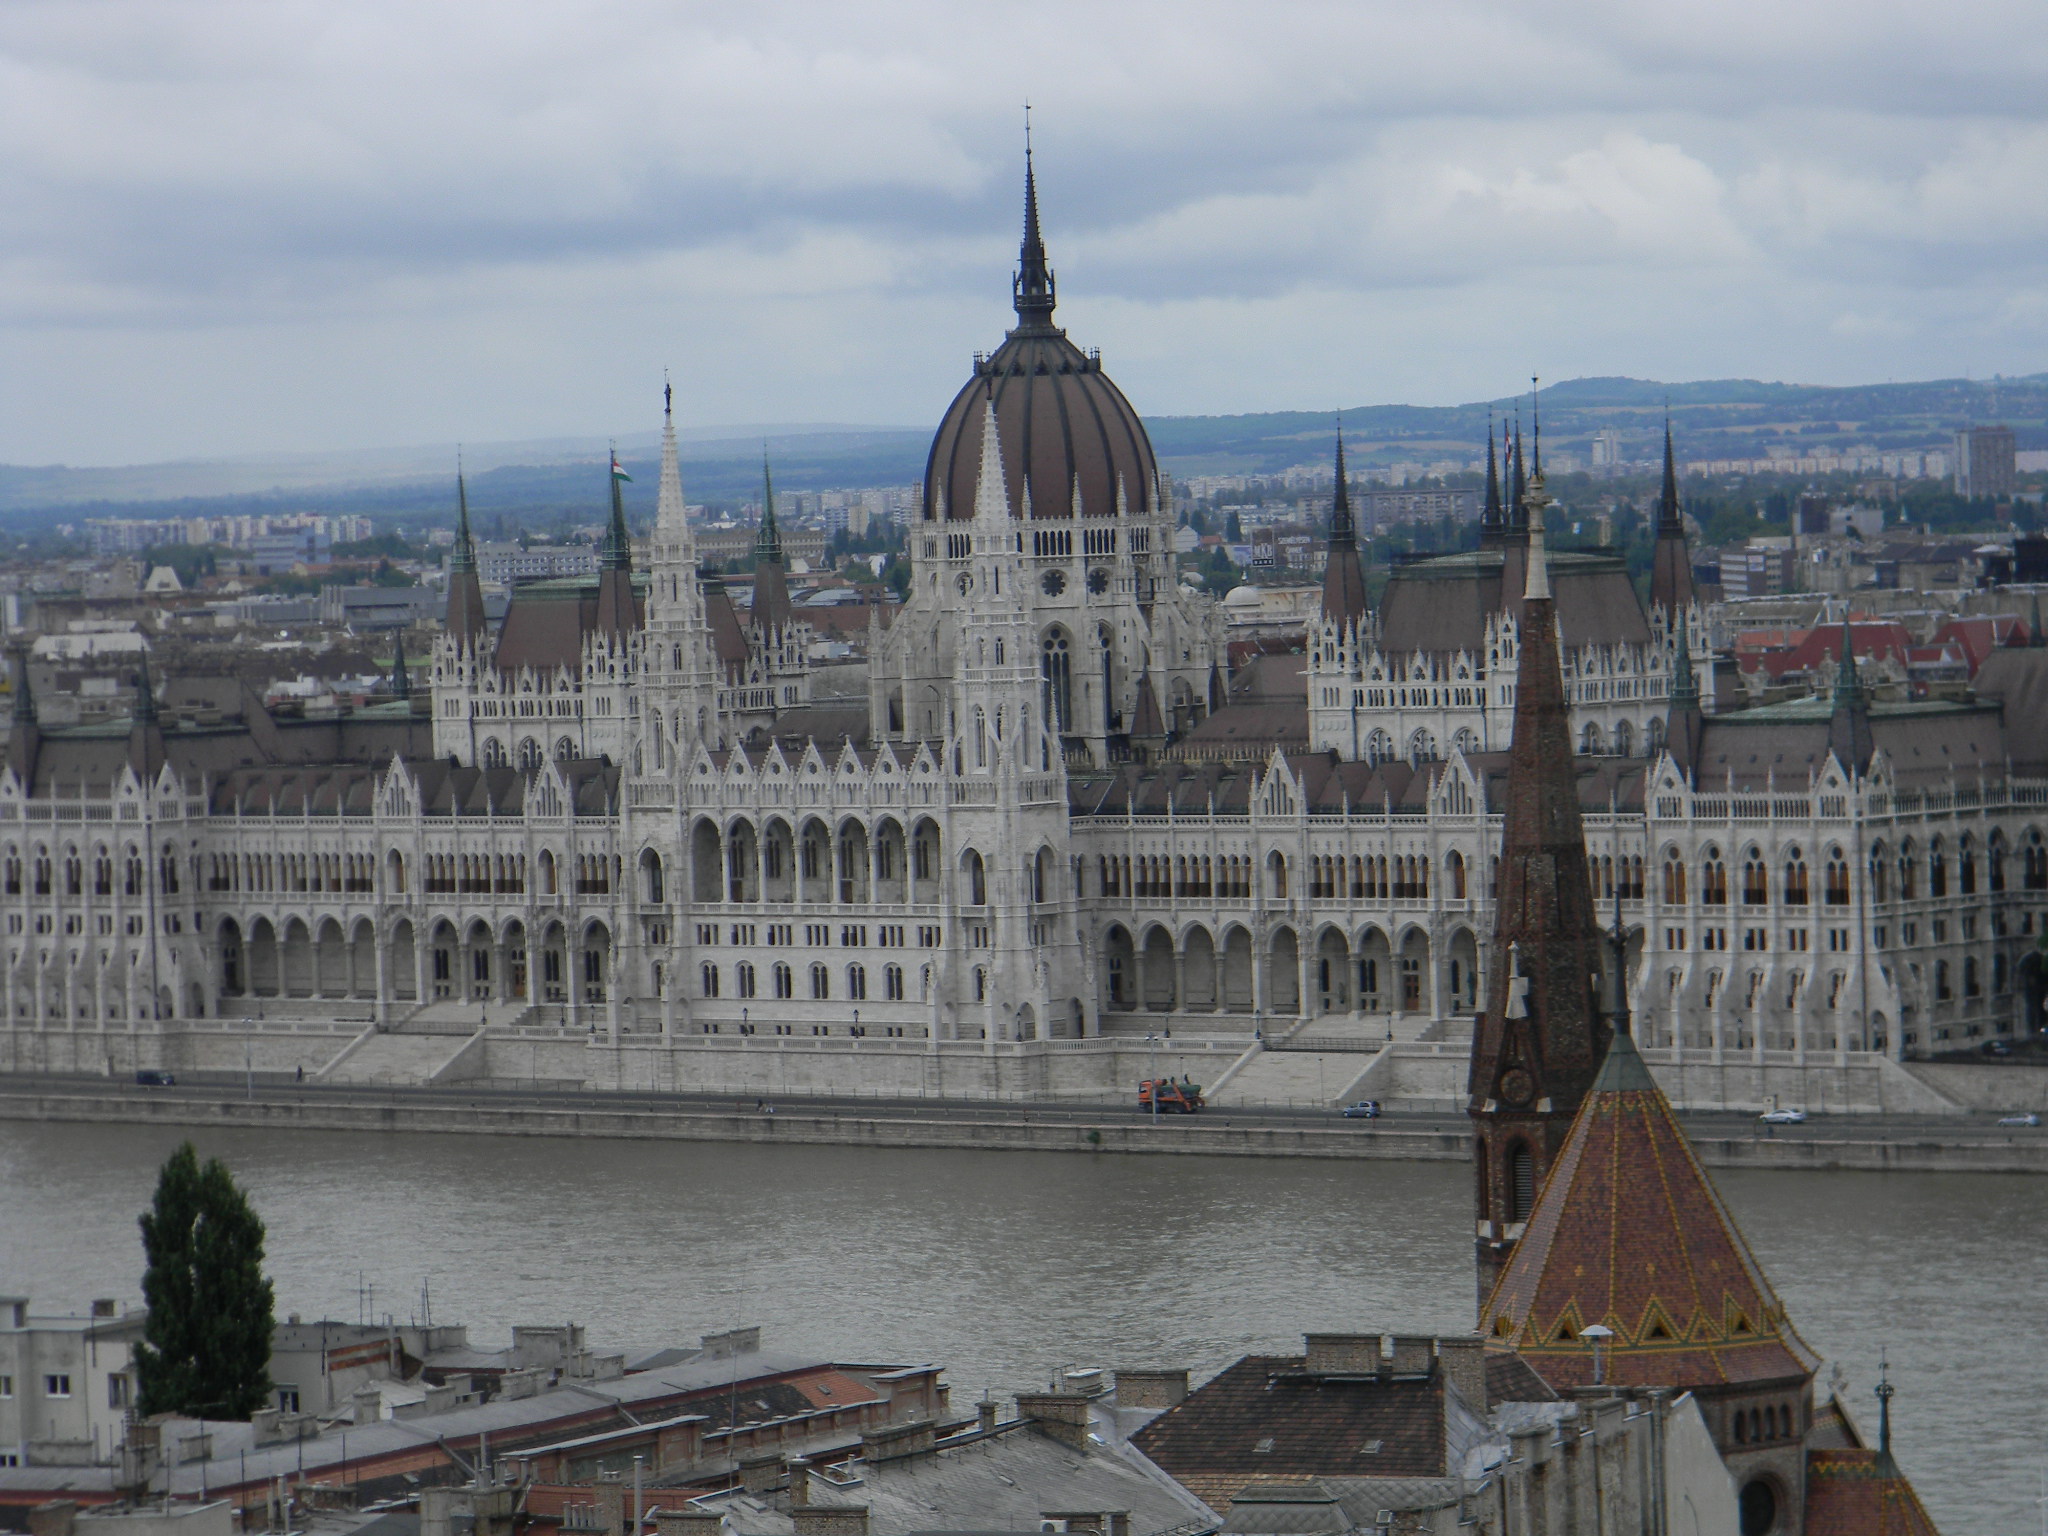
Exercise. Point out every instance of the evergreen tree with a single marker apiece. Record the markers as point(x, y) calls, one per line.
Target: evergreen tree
point(1233, 529)
point(206, 1346)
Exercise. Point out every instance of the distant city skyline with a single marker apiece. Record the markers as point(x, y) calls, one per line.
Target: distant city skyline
point(308, 230)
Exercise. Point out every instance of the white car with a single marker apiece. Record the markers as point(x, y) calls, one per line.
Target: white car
point(2026, 1119)
point(1783, 1117)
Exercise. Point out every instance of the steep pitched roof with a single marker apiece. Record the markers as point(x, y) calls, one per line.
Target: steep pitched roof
point(1630, 1233)
point(1861, 1493)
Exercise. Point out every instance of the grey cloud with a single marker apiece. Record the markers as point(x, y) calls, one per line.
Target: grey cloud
point(827, 195)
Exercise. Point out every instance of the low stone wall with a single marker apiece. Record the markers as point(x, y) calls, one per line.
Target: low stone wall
point(2002, 1088)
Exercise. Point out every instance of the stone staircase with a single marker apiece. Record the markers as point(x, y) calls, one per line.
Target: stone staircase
point(1302, 1079)
point(393, 1058)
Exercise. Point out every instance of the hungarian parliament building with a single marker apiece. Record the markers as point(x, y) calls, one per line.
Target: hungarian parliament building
point(622, 812)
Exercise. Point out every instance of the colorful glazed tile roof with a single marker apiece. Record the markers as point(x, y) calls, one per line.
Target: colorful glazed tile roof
point(1630, 1234)
point(1861, 1493)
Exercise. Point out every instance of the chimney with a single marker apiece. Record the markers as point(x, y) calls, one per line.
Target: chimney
point(689, 1522)
point(840, 1520)
point(1151, 1389)
point(53, 1519)
point(1463, 1361)
point(1341, 1354)
point(366, 1406)
point(894, 1442)
point(985, 1416)
point(1062, 1415)
point(799, 1481)
point(611, 1502)
point(760, 1474)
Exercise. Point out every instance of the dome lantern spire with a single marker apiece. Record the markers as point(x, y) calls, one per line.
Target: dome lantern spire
point(1032, 291)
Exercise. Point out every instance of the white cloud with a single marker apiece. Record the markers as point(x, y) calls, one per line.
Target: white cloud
point(230, 225)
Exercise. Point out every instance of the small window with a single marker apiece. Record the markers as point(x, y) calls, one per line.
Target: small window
point(6, 1386)
point(56, 1386)
point(1264, 1447)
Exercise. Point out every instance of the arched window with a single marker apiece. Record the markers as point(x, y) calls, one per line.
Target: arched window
point(1907, 871)
point(1454, 874)
point(707, 979)
point(977, 880)
point(785, 981)
point(1835, 889)
point(1937, 869)
point(1421, 748)
point(1674, 878)
point(1276, 875)
point(1973, 985)
point(1942, 990)
point(564, 749)
point(743, 975)
point(892, 983)
point(2034, 863)
point(1624, 739)
point(1880, 874)
point(1796, 889)
point(494, 753)
point(652, 885)
point(1056, 671)
point(857, 983)
point(1714, 880)
point(1755, 880)
point(530, 756)
point(1966, 867)
point(1589, 740)
point(821, 982)
point(1379, 748)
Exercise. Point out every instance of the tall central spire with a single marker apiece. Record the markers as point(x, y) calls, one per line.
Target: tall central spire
point(1671, 584)
point(1032, 290)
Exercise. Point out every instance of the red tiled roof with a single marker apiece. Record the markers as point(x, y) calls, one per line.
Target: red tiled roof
point(1630, 1233)
point(1861, 1493)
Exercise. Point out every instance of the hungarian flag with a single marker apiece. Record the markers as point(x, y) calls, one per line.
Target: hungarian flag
point(618, 471)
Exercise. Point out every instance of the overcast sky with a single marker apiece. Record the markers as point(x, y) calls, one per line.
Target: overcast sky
point(238, 227)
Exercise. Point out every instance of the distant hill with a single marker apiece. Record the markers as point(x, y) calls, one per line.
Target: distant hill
point(546, 480)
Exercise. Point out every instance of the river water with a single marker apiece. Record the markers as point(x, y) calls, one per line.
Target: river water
point(1001, 1265)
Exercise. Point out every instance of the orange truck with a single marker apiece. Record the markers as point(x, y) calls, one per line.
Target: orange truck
point(1164, 1096)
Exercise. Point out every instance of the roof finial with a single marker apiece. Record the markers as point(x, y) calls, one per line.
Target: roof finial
point(1884, 1391)
point(1536, 421)
point(668, 396)
point(1032, 291)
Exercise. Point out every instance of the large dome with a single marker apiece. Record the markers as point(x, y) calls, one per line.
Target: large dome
point(1063, 426)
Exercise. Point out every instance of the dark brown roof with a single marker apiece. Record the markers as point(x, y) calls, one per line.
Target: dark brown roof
point(2018, 680)
point(546, 622)
point(1442, 604)
point(1264, 1417)
point(1062, 426)
point(1926, 743)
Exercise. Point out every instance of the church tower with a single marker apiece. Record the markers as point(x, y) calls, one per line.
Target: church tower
point(1340, 636)
point(1541, 1038)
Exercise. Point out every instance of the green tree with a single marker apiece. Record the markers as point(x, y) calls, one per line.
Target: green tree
point(206, 1346)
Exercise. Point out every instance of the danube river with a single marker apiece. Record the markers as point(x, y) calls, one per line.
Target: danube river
point(1000, 1266)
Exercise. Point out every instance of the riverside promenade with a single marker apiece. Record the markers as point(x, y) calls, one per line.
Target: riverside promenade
point(1861, 1142)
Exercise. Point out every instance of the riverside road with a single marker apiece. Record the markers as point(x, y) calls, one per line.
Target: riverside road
point(215, 1098)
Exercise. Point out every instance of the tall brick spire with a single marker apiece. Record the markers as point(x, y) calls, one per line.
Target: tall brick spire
point(1538, 1045)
